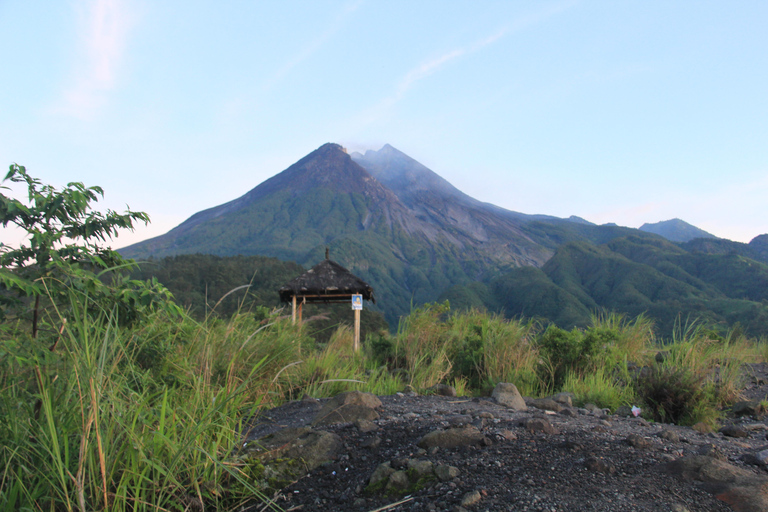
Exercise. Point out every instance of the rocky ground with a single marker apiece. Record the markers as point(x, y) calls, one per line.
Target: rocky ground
point(444, 453)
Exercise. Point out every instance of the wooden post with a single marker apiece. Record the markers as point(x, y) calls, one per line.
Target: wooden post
point(357, 331)
point(293, 313)
point(301, 309)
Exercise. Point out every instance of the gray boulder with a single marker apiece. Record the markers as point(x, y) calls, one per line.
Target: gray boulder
point(506, 394)
point(291, 453)
point(545, 404)
point(347, 407)
point(741, 489)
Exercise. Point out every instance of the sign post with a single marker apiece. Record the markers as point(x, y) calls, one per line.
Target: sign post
point(357, 306)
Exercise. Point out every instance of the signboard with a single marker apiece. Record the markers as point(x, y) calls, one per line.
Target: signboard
point(357, 302)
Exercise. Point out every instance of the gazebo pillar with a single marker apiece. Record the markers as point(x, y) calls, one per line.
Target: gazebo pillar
point(293, 311)
point(357, 331)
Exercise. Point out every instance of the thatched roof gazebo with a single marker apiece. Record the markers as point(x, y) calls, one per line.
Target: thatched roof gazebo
point(326, 283)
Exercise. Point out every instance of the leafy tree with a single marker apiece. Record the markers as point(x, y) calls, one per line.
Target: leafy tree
point(62, 251)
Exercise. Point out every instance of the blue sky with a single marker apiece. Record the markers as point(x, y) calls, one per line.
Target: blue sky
point(625, 112)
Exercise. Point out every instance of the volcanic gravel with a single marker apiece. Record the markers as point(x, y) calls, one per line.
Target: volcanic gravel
point(592, 463)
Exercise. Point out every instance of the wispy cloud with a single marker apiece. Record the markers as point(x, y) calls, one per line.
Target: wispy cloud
point(105, 26)
point(314, 45)
point(434, 65)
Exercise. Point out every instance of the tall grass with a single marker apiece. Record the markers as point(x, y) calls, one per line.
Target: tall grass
point(81, 429)
point(487, 349)
point(94, 416)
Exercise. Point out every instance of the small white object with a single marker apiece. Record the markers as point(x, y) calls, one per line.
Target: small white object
point(636, 411)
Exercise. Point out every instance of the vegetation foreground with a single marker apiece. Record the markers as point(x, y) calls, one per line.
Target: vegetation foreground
point(147, 417)
point(113, 398)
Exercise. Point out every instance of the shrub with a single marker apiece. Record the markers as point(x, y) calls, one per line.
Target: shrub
point(562, 352)
point(675, 394)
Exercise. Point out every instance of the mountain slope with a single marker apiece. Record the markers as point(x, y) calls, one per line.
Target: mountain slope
point(676, 230)
point(633, 275)
point(412, 236)
point(326, 199)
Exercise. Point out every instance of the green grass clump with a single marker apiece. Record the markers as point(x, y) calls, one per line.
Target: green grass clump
point(601, 388)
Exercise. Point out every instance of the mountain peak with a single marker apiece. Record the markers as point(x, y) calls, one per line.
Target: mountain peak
point(676, 230)
point(404, 175)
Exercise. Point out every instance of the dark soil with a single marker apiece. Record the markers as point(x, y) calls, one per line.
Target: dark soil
point(588, 465)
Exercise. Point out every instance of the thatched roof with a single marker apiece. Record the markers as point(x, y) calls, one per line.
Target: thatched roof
point(325, 282)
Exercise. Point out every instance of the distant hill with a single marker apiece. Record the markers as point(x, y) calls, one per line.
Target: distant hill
point(676, 230)
point(632, 275)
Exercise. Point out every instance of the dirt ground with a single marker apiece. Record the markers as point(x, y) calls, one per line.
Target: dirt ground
point(590, 461)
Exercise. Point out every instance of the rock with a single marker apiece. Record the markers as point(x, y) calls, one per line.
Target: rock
point(459, 419)
point(545, 404)
point(748, 408)
point(471, 498)
point(348, 407)
point(399, 463)
point(445, 472)
point(420, 468)
point(281, 452)
point(452, 437)
point(380, 475)
point(569, 412)
point(624, 411)
point(443, 390)
point(703, 468)
point(366, 426)
point(710, 450)
point(506, 394)
point(507, 435)
point(669, 435)
point(540, 425)
point(564, 398)
point(599, 465)
point(748, 496)
point(756, 459)
point(741, 489)
point(398, 481)
point(592, 408)
point(637, 441)
point(733, 431)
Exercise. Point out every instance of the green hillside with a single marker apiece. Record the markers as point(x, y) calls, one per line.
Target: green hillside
point(415, 238)
point(632, 275)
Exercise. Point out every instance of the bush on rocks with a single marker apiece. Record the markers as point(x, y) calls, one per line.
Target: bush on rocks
point(676, 395)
